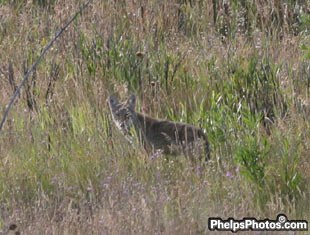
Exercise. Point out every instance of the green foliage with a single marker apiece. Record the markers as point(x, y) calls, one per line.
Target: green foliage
point(255, 82)
point(234, 70)
point(304, 23)
point(252, 159)
point(286, 175)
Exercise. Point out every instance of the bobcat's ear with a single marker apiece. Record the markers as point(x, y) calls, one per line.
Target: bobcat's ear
point(112, 100)
point(131, 102)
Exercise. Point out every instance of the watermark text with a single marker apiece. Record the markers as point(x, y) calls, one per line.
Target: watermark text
point(280, 224)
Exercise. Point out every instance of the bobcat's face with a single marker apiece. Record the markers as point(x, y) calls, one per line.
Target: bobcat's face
point(123, 114)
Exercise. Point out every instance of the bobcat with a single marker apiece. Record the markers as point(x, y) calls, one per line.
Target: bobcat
point(157, 135)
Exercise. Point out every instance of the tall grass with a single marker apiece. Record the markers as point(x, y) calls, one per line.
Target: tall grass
point(237, 69)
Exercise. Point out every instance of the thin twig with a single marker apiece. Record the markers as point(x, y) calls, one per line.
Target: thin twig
point(47, 47)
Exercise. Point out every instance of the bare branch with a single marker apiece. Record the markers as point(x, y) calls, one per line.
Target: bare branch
point(44, 51)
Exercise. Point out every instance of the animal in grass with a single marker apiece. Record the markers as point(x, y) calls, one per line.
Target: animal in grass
point(158, 136)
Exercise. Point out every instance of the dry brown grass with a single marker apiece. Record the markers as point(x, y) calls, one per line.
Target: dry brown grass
point(66, 170)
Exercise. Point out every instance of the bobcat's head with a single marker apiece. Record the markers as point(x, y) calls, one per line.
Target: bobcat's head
point(123, 114)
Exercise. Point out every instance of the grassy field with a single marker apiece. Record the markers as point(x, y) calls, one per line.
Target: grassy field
point(238, 69)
